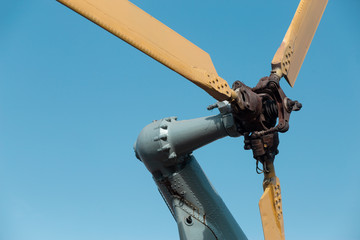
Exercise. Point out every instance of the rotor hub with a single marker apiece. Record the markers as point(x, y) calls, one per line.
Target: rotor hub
point(261, 113)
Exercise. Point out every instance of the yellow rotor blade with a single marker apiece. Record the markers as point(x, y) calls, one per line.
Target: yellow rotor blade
point(297, 40)
point(271, 211)
point(139, 29)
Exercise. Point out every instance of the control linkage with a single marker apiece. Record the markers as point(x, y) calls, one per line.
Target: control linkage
point(261, 113)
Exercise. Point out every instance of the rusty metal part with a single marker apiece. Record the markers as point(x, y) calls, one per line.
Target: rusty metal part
point(258, 109)
point(262, 112)
point(264, 149)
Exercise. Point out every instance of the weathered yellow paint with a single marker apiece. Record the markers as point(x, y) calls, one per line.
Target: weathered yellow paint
point(142, 31)
point(292, 51)
point(271, 211)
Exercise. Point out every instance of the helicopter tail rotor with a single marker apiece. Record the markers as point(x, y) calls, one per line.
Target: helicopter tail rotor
point(260, 112)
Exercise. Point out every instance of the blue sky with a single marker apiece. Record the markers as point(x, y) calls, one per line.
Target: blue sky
point(73, 99)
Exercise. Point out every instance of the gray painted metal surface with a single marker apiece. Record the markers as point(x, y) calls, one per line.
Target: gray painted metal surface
point(189, 193)
point(165, 147)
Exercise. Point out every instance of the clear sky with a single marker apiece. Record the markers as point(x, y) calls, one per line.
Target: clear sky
point(73, 99)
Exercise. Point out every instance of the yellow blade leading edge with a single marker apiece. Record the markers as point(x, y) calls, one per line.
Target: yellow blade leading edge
point(139, 29)
point(271, 212)
point(297, 40)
